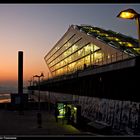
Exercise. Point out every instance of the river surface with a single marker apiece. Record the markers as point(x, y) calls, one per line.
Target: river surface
point(5, 92)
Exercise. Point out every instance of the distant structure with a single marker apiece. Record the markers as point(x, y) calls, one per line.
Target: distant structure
point(19, 100)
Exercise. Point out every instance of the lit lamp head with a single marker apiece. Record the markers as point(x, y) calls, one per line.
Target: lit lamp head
point(128, 14)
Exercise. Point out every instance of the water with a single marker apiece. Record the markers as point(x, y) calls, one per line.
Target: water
point(5, 92)
point(8, 89)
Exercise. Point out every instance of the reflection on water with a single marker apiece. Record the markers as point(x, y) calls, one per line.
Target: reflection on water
point(8, 89)
point(5, 100)
point(4, 97)
point(5, 92)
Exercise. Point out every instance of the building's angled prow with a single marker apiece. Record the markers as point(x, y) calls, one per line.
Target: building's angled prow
point(86, 45)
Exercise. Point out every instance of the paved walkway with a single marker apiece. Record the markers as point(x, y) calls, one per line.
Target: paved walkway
point(13, 124)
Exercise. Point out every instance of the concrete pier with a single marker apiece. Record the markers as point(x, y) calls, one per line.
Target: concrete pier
point(13, 124)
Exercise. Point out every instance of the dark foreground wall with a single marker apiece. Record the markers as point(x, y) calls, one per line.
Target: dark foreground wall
point(119, 114)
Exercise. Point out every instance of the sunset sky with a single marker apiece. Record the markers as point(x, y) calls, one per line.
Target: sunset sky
point(35, 29)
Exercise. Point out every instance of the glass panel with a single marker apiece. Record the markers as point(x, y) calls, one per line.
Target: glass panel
point(95, 48)
point(87, 60)
point(98, 56)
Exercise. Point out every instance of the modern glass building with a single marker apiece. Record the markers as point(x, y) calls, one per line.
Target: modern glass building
point(84, 46)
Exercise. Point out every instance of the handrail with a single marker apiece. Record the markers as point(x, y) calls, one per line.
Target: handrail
point(115, 57)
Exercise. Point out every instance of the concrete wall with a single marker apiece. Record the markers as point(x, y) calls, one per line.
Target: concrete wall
point(121, 115)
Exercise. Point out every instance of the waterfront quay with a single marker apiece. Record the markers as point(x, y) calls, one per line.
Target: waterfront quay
point(106, 94)
point(12, 123)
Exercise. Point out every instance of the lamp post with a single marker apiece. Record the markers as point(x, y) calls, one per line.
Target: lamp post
point(30, 83)
point(39, 76)
point(33, 80)
point(131, 14)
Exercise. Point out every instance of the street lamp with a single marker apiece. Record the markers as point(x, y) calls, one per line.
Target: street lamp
point(34, 80)
point(30, 83)
point(39, 76)
point(131, 14)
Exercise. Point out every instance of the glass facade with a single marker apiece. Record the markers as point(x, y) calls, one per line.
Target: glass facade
point(74, 51)
point(72, 56)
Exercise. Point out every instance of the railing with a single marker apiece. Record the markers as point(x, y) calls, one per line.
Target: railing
point(113, 58)
point(103, 61)
point(95, 63)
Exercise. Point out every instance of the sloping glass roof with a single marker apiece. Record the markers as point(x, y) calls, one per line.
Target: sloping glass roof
point(117, 40)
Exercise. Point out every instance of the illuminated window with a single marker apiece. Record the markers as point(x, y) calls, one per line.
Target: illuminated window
point(103, 34)
point(96, 47)
point(128, 44)
point(79, 52)
point(68, 44)
point(74, 47)
point(98, 55)
point(113, 38)
point(65, 46)
point(96, 31)
point(69, 59)
point(91, 47)
point(87, 59)
point(137, 50)
point(71, 66)
point(65, 54)
point(108, 56)
point(87, 49)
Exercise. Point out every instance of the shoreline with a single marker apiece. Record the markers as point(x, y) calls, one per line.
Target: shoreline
point(5, 101)
point(5, 97)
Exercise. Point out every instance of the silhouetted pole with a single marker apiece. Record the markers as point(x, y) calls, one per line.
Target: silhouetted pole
point(138, 26)
point(30, 84)
point(39, 115)
point(39, 92)
point(20, 80)
point(20, 72)
point(39, 76)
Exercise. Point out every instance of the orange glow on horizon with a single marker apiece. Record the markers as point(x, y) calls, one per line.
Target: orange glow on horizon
point(5, 100)
point(9, 67)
